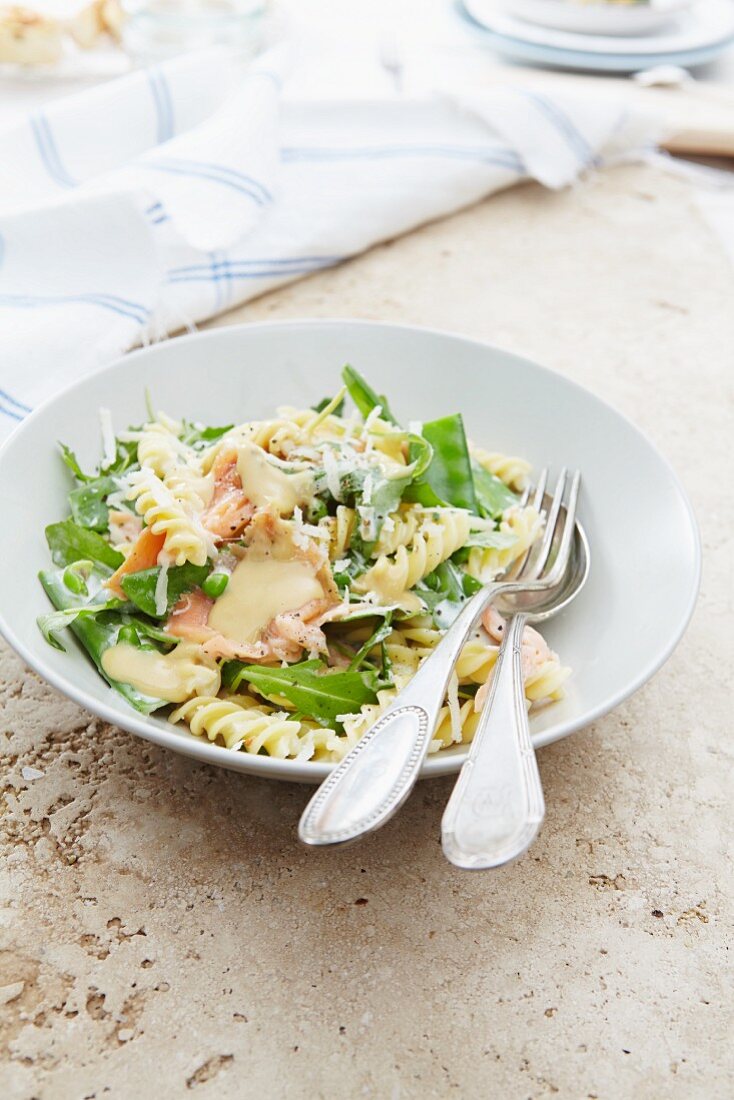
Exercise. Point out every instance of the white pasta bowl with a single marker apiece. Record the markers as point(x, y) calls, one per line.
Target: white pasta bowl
point(643, 537)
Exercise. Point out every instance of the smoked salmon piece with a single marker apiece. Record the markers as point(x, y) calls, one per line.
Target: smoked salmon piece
point(535, 651)
point(144, 555)
point(229, 511)
point(189, 617)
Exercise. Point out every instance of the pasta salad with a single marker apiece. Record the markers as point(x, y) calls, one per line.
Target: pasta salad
point(274, 584)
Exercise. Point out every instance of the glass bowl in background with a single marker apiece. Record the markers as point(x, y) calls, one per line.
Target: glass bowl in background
point(155, 29)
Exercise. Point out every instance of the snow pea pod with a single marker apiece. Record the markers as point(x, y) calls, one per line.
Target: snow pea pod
point(448, 479)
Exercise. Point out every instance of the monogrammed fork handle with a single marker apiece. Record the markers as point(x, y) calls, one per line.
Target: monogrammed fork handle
point(497, 805)
point(374, 779)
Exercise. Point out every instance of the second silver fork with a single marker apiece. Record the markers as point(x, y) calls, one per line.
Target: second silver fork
point(497, 804)
point(374, 779)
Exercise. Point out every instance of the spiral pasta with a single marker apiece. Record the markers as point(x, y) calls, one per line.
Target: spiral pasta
point(253, 729)
point(391, 578)
point(340, 528)
point(159, 448)
point(476, 661)
point(399, 529)
point(185, 538)
point(508, 468)
point(546, 682)
point(525, 524)
point(240, 727)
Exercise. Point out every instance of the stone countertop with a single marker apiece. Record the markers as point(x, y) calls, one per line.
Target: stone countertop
point(163, 934)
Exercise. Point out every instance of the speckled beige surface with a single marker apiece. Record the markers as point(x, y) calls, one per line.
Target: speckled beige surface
point(162, 934)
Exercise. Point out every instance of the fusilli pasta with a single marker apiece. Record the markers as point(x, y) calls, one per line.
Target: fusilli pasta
point(165, 514)
point(508, 468)
point(525, 524)
point(391, 578)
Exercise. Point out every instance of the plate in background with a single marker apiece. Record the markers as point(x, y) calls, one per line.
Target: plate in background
point(644, 542)
point(596, 16)
point(691, 37)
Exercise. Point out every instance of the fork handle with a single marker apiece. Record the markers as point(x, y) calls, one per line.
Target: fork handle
point(377, 775)
point(497, 805)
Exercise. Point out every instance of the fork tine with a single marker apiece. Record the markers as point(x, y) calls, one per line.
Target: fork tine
point(540, 490)
point(523, 571)
point(551, 522)
point(561, 562)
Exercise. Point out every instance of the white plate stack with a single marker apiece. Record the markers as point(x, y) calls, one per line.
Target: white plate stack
point(605, 35)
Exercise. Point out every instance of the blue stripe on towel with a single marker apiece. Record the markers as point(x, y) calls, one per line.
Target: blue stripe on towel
point(233, 271)
point(163, 104)
point(250, 188)
point(225, 172)
point(574, 138)
point(11, 413)
point(20, 405)
point(135, 310)
point(282, 263)
point(157, 214)
point(501, 158)
point(49, 152)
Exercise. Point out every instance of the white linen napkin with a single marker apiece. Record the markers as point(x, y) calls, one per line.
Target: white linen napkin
point(166, 196)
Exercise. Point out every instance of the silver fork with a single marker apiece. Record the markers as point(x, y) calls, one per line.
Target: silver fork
point(497, 805)
point(373, 780)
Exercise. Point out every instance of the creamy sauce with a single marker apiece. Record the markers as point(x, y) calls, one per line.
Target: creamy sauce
point(174, 676)
point(203, 486)
point(267, 485)
point(261, 587)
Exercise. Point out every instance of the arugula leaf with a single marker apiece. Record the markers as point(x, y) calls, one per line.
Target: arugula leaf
point(68, 542)
point(493, 496)
point(88, 503)
point(382, 631)
point(69, 459)
point(385, 497)
point(144, 629)
point(355, 565)
point(97, 630)
point(491, 539)
point(444, 591)
point(126, 455)
point(364, 397)
point(140, 587)
point(320, 694)
point(198, 437)
point(448, 479)
point(54, 621)
point(350, 478)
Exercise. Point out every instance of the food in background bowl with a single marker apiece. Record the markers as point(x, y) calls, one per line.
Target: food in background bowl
point(30, 38)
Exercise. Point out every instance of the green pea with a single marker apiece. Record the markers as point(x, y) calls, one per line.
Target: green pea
point(74, 581)
point(215, 584)
point(128, 635)
point(316, 511)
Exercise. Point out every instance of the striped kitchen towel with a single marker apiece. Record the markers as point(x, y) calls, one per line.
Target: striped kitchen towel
point(167, 196)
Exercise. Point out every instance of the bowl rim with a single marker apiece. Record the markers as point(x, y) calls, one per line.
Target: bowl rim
point(314, 771)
